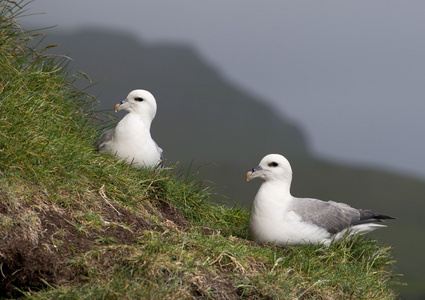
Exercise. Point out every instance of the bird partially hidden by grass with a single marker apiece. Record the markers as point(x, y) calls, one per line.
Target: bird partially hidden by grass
point(131, 140)
point(278, 217)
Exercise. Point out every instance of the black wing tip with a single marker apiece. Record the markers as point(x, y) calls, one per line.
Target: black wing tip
point(370, 214)
point(384, 217)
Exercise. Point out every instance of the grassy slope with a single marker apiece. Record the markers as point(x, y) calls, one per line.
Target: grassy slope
point(77, 224)
point(246, 130)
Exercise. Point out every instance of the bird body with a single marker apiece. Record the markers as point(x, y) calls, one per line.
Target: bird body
point(131, 139)
point(273, 220)
point(278, 217)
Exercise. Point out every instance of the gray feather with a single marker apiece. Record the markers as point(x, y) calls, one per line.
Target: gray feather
point(104, 138)
point(333, 216)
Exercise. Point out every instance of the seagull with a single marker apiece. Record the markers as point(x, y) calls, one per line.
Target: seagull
point(279, 218)
point(131, 139)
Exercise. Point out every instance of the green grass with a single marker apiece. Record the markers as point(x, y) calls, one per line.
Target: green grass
point(78, 225)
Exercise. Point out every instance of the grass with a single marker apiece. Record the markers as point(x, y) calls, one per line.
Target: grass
point(78, 225)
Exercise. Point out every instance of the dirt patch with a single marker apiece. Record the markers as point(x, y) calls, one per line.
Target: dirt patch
point(170, 213)
point(35, 248)
point(38, 242)
point(208, 286)
point(123, 225)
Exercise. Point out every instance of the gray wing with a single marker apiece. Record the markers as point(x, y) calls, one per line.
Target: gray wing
point(104, 138)
point(332, 216)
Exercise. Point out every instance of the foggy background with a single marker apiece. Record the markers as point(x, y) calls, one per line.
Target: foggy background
point(351, 74)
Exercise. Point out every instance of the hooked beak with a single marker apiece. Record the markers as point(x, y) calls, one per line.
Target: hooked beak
point(122, 105)
point(254, 173)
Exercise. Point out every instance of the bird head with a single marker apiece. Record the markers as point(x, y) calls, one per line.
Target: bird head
point(272, 167)
point(140, 102)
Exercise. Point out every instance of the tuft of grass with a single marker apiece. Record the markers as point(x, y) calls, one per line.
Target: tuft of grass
point(76, 224)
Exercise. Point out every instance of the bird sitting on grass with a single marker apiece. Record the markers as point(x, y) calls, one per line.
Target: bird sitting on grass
point(131, 139)
point(278, 217)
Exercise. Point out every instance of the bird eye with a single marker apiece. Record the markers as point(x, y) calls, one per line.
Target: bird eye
point(138, 99)
point(273, 164)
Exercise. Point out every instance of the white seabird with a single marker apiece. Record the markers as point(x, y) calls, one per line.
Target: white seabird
point(278, 217)
point(131, 139)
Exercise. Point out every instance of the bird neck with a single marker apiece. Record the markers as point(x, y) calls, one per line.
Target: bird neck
point(143, 119)
point(278, 187)
point(145, 114)
point(132, 125)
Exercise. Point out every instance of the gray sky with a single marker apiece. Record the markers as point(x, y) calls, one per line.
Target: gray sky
point(352, 73)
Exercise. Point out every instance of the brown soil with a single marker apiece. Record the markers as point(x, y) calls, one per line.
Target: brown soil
point(36, 248)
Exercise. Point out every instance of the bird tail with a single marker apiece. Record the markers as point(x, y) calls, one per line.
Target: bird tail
point(369, 216)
